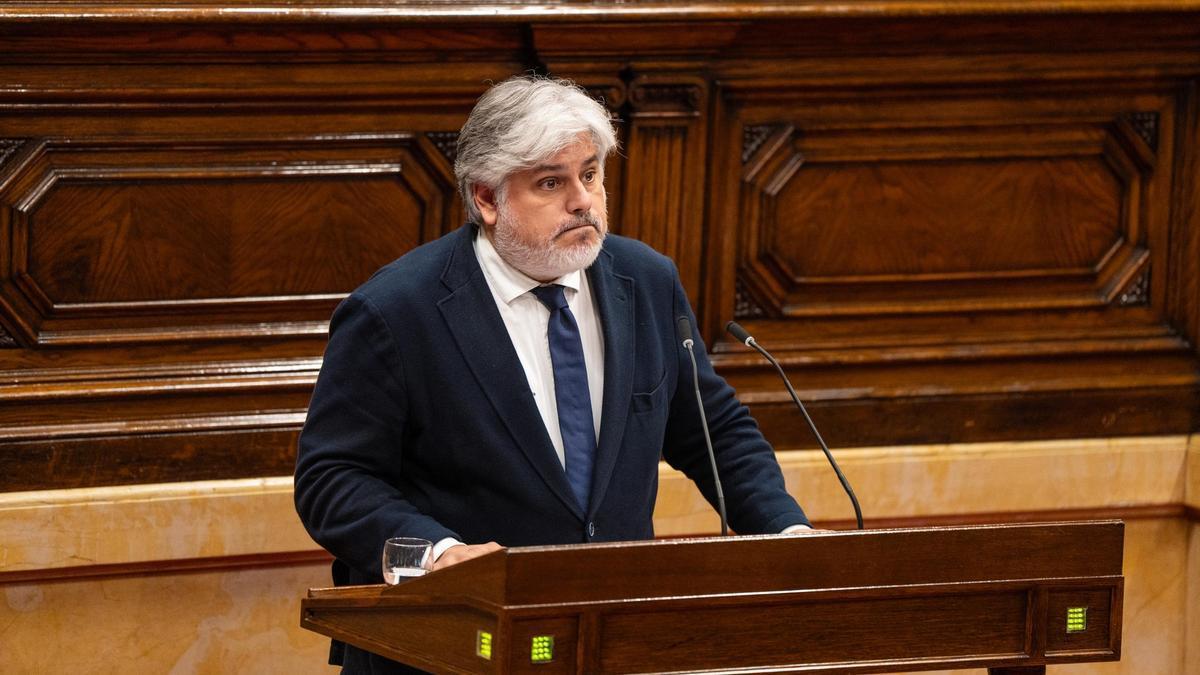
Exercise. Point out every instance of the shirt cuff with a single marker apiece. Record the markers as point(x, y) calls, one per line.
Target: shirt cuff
point(798, 527)
point(441, 547)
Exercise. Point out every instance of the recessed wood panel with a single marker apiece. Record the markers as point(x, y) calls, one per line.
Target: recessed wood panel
point(947, 219)
point(996, 217)
point(130, 237)
point(1090, 631)
point(916, 628)
point(662, 173)
point(207, 239)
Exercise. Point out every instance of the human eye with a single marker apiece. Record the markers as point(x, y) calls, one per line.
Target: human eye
point(548, 183)
point(589, 176)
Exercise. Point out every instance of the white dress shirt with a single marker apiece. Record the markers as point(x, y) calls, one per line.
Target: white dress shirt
point(526, 319)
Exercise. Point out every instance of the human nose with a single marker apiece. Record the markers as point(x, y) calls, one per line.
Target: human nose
point(579, 199)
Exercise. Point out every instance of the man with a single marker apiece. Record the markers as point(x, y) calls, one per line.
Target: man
point(516, 381)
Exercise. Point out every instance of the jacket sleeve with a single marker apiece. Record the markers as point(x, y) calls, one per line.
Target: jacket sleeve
point(756, 499)
point(351, 450)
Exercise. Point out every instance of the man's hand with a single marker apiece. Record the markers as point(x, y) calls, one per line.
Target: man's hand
point(802, 529)
point(457, 554)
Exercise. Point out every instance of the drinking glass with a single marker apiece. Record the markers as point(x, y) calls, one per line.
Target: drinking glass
point(405, 557)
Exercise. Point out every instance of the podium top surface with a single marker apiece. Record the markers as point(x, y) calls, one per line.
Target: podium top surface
point(765, 564)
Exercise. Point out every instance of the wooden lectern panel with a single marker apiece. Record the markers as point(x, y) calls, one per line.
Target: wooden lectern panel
point(832, 629)
point(1011, 596)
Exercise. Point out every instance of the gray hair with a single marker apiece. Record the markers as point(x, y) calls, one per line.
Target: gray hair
point(520, 122)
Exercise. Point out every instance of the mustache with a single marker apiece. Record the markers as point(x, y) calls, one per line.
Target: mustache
point(575, 222)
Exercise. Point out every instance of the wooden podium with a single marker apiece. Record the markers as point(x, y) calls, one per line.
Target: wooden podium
point(1012, 598)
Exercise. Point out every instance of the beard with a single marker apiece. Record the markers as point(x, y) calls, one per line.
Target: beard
point(545, 258)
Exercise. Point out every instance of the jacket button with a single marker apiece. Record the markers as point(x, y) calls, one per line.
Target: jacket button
point(591, 529)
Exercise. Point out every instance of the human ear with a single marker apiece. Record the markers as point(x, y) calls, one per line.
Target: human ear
point(485, 201)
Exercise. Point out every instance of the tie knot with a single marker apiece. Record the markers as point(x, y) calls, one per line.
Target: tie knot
point(552, 296)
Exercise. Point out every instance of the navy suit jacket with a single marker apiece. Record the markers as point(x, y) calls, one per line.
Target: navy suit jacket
point(422, 422)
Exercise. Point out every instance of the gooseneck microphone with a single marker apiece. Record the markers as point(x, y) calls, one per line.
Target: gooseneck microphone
point(685, 332)
point(745, 338)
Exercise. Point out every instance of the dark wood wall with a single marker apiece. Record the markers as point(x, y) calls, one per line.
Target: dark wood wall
point(951, 221)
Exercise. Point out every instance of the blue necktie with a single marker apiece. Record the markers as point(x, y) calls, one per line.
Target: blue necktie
point(570, 391)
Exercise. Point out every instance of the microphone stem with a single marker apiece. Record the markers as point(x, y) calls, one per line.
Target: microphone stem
point(708, 440)
point(824, 448)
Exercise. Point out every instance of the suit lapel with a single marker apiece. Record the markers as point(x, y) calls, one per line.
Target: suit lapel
point(470, 312)
point(614, 303)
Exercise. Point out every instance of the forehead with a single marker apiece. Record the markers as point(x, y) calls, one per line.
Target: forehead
point(577, 154)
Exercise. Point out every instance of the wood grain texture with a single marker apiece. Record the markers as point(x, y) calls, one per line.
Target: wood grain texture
point(951, 221)
point(662, 171)
point(110, 234)
point(135, 458)
point(661, 10)
point(981, 623)
point(946, 219)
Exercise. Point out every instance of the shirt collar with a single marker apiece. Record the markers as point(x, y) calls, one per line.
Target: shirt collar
point(508, 282)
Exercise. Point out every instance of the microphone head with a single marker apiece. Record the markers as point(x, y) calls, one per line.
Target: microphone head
point(684, 327)
point(738, 332)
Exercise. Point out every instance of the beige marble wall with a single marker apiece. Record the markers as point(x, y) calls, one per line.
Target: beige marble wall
point(244, 621)
point(1156, 561)
point(99, 526)
point(1192, 478)
point(1191, 656)
point(985, 478)
point(247, 619)
point(1192, 613)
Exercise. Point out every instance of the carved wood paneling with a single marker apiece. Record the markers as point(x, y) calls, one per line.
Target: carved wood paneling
point(663, 170)
point(1146, 125)
point(447, 144)
point(753, 137)
point(912, 262)
point(139, 458)
point(845, 224)
point(950, 225)
point(745, 306)
point(112, 240)
point(1138, 291)
point(8, 148)
point(1182, 277)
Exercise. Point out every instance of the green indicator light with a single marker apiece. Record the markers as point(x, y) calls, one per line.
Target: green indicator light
point(483, 644)
point(1076, 619)
point(542, 649)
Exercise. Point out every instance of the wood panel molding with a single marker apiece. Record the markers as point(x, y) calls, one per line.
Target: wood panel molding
point(169, 567)
point(663, 170)
point(753, 137)
point(85, 270)
point(446, 143)
point(663, 10)
point(973, 226)
point(1146, 126)
point(8, 147)
point(1137, 292)
point(815, 252)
